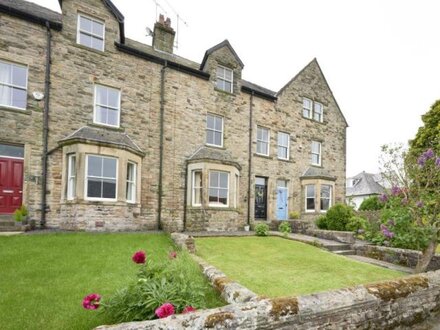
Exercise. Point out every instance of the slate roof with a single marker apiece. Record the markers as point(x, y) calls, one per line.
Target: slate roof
point(32, 12)
point(94, 135)
point(364, 184)
point(316, 172)
point(254, 87)
point(215, 155)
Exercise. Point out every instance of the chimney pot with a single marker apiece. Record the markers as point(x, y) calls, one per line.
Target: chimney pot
point(163, 37)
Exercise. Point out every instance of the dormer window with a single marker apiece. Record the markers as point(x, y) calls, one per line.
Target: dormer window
point(225, 79)
point(90, 32)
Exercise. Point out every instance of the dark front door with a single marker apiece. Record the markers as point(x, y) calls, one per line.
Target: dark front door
point(11, 184)
point(260, 198)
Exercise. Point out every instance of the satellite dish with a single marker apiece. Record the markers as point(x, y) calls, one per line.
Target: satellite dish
point(149, 32)
point(38, 96)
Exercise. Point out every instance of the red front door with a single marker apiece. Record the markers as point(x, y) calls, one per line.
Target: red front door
point(11, 184)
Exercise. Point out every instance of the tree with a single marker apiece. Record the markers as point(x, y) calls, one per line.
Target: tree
point(428, 135)
point(415, 176)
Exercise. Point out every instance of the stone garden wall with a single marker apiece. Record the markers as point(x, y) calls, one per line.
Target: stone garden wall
point(385, 305)
point(403, 257)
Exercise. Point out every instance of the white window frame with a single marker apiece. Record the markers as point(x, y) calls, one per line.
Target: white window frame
point(281, 147)
point(194, 187)
point(71, 176)
point(217, 204)
point(86, 177)
point(131, 184)
point(223, 79)
point(214, 130)
point(320, 114)
point(262, 141)
point(10, 85)
point(96, 104)
point(314, 153)
point(89, 33)
point(309, 110)
point(330, 198)
point(307, 197)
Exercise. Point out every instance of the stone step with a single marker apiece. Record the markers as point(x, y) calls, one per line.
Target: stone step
point(7, 223)
point(337, 247)
point(345, 252)
point(11, 228)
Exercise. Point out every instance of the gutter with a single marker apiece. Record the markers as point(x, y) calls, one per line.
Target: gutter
point(162, 115)
point(155, 59)
point(258, 93)
point(250, 157)
point(30, 17)
point(45, 126)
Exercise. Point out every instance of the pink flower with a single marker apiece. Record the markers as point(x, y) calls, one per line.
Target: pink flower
point(91, 301)
point(188, 309)
point(172, 255)
point(164, 311)
point(139, 257)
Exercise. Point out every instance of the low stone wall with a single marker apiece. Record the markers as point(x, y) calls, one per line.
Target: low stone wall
point(403, 257)
point(301, 226)
point(402, 302)
point(340, 236)
point(214, 219)
point(230, 291)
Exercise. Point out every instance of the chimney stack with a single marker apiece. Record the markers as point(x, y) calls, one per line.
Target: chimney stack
point(163, 38)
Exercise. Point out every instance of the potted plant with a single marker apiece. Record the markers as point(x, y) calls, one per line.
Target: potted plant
point(21, 215)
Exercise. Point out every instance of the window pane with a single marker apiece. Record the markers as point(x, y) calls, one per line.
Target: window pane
point(282, 152)
point(85, 40)
point(315, 147)
point(94, 166)
point(310, 203)
point(97, 43)
point(109, 189)
point(228, 74)
point(218, 123)
point(223, 196)
point(220, 84)
point(5, 73)
point(98, 28)
point(112, 117)
point(306, 113)
point(228, 86)
point(213, 179)
point(265, 134)
point(307, 103)
point(101, 95)
point(5, 95)
point(109, 169)
point(19, 74)
point(11, 151)
point(224, 180)
point(85, 24)
point(130, 171)
point(94, 188)
point(259, 133)
point(213, 195)
point(315, 159)
point(101, 115)
point(325, 191)
point(210, 121)
point(218, 138)
point(19, 98)
point(220, 72)
point(210, 137)
point(113, 98)
point(310, 191)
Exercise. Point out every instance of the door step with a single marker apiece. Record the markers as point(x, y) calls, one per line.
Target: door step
point(11, 228)
point(337, 247)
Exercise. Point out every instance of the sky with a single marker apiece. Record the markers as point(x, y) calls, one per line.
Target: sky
point(381, 58)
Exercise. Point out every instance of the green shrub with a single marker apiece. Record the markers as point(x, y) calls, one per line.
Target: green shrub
point(321, 222)
point(21, 213)
point(285, 228)
point(338, 216)
point(261, 229)
point(173, 280)
point(370, 204)
point(357, 225)
point(294, 215)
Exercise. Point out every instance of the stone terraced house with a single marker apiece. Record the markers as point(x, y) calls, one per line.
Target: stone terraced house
point(100, 132)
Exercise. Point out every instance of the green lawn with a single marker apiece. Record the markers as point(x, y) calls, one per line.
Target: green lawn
point(43, 278)
point(274, 267)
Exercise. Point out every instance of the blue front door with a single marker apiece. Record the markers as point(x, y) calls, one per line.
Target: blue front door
point(281, 203)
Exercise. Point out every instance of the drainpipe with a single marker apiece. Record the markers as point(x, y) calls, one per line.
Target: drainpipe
point(185, 198)
point(45, 127)
point(162, 113)
point(250, 158)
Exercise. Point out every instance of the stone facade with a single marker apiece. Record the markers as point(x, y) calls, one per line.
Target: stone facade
point(164, 104)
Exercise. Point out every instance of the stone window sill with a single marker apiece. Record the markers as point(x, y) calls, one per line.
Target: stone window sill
point(118, 129)
point(262, 156)
point(224, 92)
point(22, 111)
